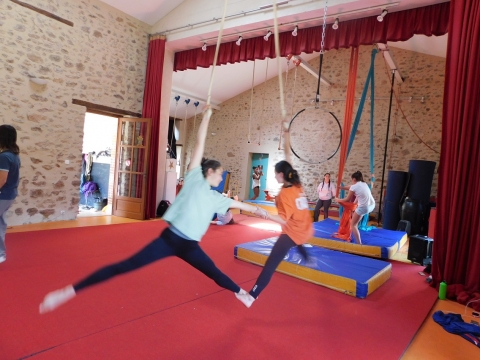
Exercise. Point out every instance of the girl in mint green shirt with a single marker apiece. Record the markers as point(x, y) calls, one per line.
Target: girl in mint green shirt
point(188, 218)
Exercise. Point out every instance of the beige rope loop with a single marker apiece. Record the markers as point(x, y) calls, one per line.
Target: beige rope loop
point(251, 104)
point(277, 53)
point(219, 40)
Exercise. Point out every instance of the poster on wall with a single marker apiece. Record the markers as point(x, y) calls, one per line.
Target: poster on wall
point(171, 165)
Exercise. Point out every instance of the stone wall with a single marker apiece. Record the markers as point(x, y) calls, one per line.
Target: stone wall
point(101, 59)
point(424, 76)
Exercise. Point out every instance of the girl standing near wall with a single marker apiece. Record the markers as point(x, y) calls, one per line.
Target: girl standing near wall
point(293, 215)
point(9, 178)
point(188, 218)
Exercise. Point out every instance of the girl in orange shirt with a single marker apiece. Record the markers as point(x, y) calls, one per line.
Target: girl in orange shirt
point(293, 215)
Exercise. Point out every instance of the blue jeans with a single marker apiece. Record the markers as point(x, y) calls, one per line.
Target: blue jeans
point(4, 206)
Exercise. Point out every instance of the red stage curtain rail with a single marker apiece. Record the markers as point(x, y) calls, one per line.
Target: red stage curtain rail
point(398, 26)
point(456, 249)
point(151, 109)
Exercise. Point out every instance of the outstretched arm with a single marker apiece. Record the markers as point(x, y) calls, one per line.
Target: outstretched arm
point(250, 208)
point(277, 218)
point(197, 155)
point(286, 145)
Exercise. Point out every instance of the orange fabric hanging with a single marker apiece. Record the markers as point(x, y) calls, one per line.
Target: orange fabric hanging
point(347, 121)
point(345, 229)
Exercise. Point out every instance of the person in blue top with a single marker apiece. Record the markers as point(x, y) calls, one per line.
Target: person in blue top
point(9, 178)
point(188, 217)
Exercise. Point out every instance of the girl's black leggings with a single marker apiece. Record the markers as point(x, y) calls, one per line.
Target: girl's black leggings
point(167, 244)
point(280, 249)
point(326, 204)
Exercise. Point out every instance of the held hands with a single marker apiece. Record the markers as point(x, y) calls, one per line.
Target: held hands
point(261, 213)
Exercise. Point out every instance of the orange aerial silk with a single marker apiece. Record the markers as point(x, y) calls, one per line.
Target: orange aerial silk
point(345, 228)
point(347, 120)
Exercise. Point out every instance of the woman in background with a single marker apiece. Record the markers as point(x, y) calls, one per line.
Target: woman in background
point(326, 193)
point(9, 178)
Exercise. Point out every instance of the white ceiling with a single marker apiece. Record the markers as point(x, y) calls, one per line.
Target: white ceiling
point(148, 11)
point(193, 84)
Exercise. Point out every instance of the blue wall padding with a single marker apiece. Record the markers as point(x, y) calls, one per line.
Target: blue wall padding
point(391, 215)
point(420, 184)
point(222, 187)
point(397, 181)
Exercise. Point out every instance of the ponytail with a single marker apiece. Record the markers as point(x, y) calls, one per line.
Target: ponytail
point(209, 164)
point(289, 173)
point(357, 175)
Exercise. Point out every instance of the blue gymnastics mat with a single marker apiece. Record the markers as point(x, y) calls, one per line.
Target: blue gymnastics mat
point(352, 275)
point(379, 243)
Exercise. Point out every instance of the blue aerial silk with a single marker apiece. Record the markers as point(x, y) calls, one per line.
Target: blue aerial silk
point(370, 79)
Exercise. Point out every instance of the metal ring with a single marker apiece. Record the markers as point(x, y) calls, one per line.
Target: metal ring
point(339, 143)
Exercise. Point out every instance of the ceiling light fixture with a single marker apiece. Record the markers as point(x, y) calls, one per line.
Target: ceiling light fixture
point(239, 41)
point(204, 47)
point(295, 31)
point(267, 36)
point(382, 15)
point(335, 24)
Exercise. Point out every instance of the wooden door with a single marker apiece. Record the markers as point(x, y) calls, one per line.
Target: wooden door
point(131, 164)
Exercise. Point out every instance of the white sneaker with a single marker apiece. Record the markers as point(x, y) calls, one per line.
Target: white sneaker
point(246, 299)
point(3, 258)
point(56, 298)
point(241, 292)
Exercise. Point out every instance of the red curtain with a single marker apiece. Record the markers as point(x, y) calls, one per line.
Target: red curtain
point(398, 26)
point(151, 109)
point(456, 250)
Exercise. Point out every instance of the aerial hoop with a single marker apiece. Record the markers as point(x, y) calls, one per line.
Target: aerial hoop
point(329, 150)
point(317, 122)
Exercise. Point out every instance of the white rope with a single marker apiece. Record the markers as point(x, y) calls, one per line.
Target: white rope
point(293, 96)
point(277, 53)
point(251, 104)
point(285, 91)
point(195, 118)
point(219, 40)
point(263, 105)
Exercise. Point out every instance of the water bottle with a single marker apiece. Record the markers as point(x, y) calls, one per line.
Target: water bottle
point(442, 291)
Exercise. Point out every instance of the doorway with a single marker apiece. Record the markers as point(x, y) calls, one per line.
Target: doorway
point(98, 160)
point(259, 161)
